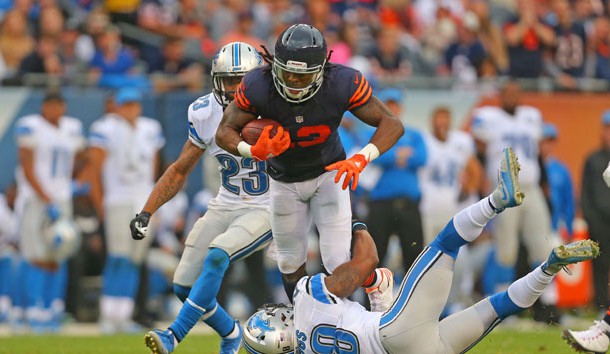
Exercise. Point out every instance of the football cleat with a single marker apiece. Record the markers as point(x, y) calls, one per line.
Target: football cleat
point(160, 342)
point(231, 346)
point(508, 192)
point(381, 297)
point(593, 340)
point(574, 252)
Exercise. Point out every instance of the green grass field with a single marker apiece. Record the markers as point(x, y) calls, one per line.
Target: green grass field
point(499, 342)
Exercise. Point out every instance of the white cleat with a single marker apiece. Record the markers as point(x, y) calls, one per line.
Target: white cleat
point(593, 340)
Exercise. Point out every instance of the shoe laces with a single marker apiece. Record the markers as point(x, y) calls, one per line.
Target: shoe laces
point(596, 330)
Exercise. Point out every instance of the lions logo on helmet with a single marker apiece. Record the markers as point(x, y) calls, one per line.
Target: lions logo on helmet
point(63, 238)
point(298, 62)
point(270, 330)
point(232, 62)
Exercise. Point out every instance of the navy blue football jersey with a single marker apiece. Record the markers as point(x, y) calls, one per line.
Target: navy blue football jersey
point(312, 124)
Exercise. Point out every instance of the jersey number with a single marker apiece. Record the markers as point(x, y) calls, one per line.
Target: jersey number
point(447, 177)
point(326, 339)
point(312, 135)
point(256, 185)
point(522, 143)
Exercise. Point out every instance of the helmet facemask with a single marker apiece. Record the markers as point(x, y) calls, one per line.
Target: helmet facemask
point(220, 82)
point(297, 89)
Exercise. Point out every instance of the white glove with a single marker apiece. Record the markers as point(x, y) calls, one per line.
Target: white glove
point(606, 175)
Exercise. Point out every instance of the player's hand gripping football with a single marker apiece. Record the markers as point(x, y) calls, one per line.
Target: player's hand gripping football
point(267, 147)
point(139, 225)
point(351, 167)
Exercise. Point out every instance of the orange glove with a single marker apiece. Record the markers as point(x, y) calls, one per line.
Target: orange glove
point(351, 167)
point(267, 147)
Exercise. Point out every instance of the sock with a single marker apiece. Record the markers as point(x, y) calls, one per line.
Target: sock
point(182, 292)
point(470, 222)
point(188, 316)
point(207, 285)
point(607, 317)
point(220, 321)
point(35, 282)
point(525, 291)
point(110, 281)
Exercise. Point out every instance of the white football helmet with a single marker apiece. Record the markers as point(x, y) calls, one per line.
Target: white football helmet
point(270, 330)
point(63, 239)
point(233, 60)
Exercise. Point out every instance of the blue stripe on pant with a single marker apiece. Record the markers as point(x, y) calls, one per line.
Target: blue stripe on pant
point(448, 242)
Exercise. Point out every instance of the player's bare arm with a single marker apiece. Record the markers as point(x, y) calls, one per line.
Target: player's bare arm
point(174, 177)
point(350, 275)
point(93, 174)
point(26, 159)
point(389, 128)
point(228, 133)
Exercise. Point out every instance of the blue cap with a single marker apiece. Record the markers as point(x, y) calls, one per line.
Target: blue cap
point(127, 94)
point(606, 117)
point(390, 94)
point(549, 131)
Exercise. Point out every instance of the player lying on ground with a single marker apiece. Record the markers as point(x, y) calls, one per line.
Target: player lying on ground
point(411, 324)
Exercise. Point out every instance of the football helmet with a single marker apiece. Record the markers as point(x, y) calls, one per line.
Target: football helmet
point(298, 62)
point(63, 238)
point(270, 330)
point(233, 60)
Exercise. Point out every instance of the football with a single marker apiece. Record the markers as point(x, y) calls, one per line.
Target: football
point(253, 129)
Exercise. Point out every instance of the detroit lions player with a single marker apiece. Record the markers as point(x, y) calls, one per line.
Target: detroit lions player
point(520, 127)
point(123, 158)
point(236, 223)
point(326, 322)
point(48, 143)
point(308, 96)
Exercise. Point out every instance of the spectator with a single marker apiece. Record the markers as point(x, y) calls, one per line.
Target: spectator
point(491, 36)
point(568, 59)
point(561, 192)
point(437, 36)
point(242, 32)
point(123, 10)
point(527, 37)
point(466, 54)
point(50, 22)
point(599, 49)
point(595, 204)
point(43, 60)
point(172, 70)
point(113, 65)
point(394, 201)
point(160, 17)
point(390, 61)
point(15, 43)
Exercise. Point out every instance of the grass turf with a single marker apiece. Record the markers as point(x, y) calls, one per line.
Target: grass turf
point(498, 342)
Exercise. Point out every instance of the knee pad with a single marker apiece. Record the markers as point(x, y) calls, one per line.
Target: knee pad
point(217, 261)
point(182, 292)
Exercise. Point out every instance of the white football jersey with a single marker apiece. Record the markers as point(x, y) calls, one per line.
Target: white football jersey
point(439, 178)
point(244, 181)
point(323, 320)
point(128, 174)
point(8, 224)
point(521, 131)
point(54, 149)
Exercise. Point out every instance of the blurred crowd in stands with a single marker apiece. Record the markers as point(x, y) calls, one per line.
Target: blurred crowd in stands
point(167, 44)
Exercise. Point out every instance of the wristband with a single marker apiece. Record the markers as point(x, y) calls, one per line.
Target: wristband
point(244, 149)
point(370, 152)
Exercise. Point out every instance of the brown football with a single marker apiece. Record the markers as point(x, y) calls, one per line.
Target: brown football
point(253, 129)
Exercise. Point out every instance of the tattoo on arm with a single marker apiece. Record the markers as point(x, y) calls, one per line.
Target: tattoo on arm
point(389, 128)
point(173, 178)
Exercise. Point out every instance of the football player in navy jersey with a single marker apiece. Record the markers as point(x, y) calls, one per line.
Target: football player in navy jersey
point(308, 96)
